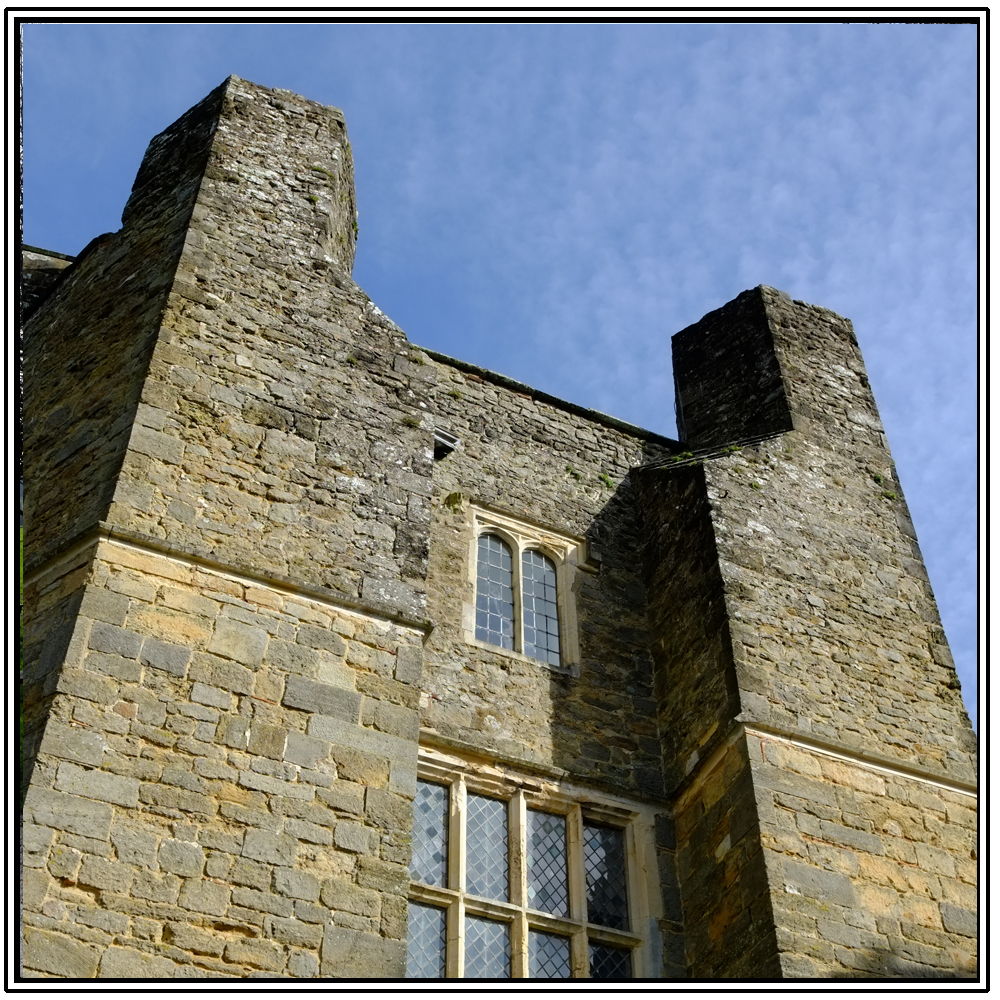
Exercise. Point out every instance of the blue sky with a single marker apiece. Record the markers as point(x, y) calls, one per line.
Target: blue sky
point(554, 201)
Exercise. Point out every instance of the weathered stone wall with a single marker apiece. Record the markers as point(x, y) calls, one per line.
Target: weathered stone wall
point(224, 782)
point(279, 432)
point(729, 925)
point(550, 466)
point(241, 548)
point(40, 270)
point(873, 873)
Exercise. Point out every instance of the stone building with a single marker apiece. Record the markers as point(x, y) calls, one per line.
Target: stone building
point(343, 658)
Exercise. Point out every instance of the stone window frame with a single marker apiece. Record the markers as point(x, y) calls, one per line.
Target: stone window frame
point(567, 552)
point(523, 791)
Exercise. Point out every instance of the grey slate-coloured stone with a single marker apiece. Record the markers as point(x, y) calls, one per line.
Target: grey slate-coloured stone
point(100, 785)
point(166, 656)
point(321, 698)
point(112, 639)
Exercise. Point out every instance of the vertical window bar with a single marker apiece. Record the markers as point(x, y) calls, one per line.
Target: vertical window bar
point(539, 607)
point(495, 592)
point(518, 885)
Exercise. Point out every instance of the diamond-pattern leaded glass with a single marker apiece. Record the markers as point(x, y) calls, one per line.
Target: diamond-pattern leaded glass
point(487, 949)
point(604, 857)
point(608, 962)
point(429, 863)
point(548, 956)
point(486, 861)
point(425, 949)
point(547, 883)
point(541, 613)
point(495, 592)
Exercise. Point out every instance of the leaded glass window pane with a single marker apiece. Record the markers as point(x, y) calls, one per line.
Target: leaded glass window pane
point(486, 862)
point(429, 863)
point(425, 950)
point(540, 609)
point(604, 858)
point(608, 962)
point(547, 879)
point(548, 956)
point(495, 592)
point(487, 949)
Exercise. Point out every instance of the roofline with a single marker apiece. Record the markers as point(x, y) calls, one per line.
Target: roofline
point(47, 253)
point(543, 397)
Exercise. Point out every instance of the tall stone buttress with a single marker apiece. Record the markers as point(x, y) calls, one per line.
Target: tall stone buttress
point(251, 513)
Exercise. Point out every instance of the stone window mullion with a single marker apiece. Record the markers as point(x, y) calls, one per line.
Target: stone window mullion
point(519, 884)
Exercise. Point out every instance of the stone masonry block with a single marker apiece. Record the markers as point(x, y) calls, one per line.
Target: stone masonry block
point(321, 638)
point(293, 932)
point(816, 883)
point(397, 721)
point(104, 605)
point(293, 657)
point(251, 874)
point(105, 920)
point(267, 741)
point(134, 845)
point(130, 963)
point(107, 638)
point(107, 875)
point(373, 873)
point(409, 664)
point(234, 732)
point(354, 737)
point(300, 692)
point(350, 954)
point(156, 444)
point(303, 965)
point(239, 642)
point(59, 954)
point(194, 939)
point(403, 776)
point(344, 796)
point(298, 885)
point(181, 857)
point(306, 751)
point(205, 694)
point(354, 837)
point(959, 921)
point(64, 862)
point(311, 833)
point(262, 902)
point(115, 666)
point(387, 810)
point(84, 684)
point(156, 888)
point(101, 785)
point(204, 896)
point(34, 887)
point(167, 656)
point(274, 849)
point(35, 843)
point(341, 895)
point(72, 743)
point(259, 954)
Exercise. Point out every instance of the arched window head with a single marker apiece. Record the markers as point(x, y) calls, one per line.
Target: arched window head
point(540, 607)
point(495, 592)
